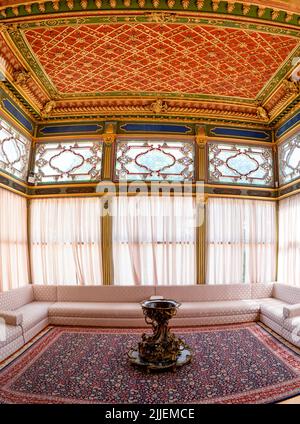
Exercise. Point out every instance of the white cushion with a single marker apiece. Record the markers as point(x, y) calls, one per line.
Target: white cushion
point(96, 310)
point(11, 317)
point(291, 311)
point(104, 293)
point(33, 313)
point(273, 309)
point(205, 293)
point(286, 293)
point(221, 308)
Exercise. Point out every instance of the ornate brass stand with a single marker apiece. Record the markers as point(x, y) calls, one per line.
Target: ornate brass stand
point(161, 350)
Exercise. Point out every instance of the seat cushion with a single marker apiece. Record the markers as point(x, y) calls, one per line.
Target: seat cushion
point(286, 293)
point(14, 299)
point(96, 310)
point(205, 293)
point(107, 294)
point(273, 309)
point(33, 313)
point(219, 308)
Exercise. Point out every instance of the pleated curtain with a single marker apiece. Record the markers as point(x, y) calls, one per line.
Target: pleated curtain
point(65, 241)
point(154, 240)
point(289, 241)
point(14, 265)
point(241, 241)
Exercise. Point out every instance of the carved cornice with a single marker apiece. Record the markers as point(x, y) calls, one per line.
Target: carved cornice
point(272, 10)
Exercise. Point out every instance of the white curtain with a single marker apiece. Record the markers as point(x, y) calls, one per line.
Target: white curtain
point(154, 240)
point(289, 241)
point(241, 241)
point(65, 241)
point(14, 267)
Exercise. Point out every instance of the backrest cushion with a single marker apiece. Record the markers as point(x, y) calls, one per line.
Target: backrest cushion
point(14, 299)
point(205, 293)
point(44, 293)
point(260, 291)
point(104, 293)
point(286, 293)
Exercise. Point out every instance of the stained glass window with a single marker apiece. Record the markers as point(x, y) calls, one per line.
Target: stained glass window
point(68, 161)
point(14, 151)
point(289, 159)
point(240, 164)
point(154, 160)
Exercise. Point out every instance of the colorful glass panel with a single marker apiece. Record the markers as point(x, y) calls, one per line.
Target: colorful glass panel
point(154, 160)
point(289, 159)
point(240, 164)
point(68, 161)
point(14, 151)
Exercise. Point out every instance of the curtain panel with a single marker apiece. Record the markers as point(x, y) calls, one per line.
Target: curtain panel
point(14, 266)
point(66, 241)
point(241, 241)
point(289, 241)
point(154, 240)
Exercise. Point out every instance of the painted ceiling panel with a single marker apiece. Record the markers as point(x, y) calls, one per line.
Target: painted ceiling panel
point(159, 58)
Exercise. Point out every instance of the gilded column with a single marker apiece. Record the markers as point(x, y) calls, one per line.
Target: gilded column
point(106, 239)
point(201, 166)
point(109, 138)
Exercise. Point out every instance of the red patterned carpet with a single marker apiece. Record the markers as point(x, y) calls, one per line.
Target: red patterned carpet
point(231, 364)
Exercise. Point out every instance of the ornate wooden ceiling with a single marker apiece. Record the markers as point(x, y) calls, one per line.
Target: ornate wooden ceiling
point(200, 60)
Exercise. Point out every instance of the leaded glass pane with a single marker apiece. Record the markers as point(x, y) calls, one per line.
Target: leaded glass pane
point(289, 159)
point(14, 151)
point(154, 160)
point(240, 164)
point(68, 161)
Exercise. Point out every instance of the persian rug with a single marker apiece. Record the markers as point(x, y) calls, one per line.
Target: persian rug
point(231, 364)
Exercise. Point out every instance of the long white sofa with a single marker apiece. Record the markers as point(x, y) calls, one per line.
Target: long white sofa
point(26, 311)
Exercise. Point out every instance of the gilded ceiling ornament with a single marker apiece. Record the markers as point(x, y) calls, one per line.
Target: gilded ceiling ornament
point(3, 13)
point(127, 3)
point(171, 3)
point(21, 77)
point(15, 11)
point(158, 106)
point(246, 8)
point(84, 4)
point(42, 7)
point(291, 86)
point(48, 108)
point(28, 8)
point(109, 136)
point(185, 3)
point(141, 3)
point(70, 4)
point(261, 11)
point(162, 17)
point(155, 3)
point(230, 7)
point(275, 14)
point(215, 5)
point(200, 4)
point(262, 113)
point(55, 5)
point(289, 17)
point(113, 3)
point(98, 3)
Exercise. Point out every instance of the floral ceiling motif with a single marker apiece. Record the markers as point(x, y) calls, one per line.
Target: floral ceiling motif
point(158, 58)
